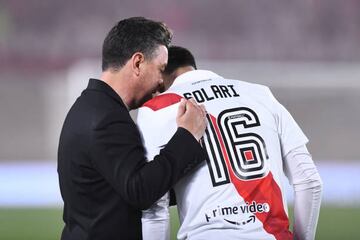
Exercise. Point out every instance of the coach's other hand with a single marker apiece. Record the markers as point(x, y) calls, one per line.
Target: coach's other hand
point(192, 117)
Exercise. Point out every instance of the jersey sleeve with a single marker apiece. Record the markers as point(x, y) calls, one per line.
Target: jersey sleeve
point(290, 134)
point(145, 122)
point(301, 172)
point(305, 179)
point(156, 219)
point(149, 122)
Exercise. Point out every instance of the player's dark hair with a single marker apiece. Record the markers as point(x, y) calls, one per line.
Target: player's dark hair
point(131, 35)
point(179, 57)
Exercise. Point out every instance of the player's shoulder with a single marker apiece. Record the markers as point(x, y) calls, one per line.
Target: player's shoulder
point(162, 101)
point(251, 88)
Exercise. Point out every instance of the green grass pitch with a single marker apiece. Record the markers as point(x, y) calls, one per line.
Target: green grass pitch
point(46, 224)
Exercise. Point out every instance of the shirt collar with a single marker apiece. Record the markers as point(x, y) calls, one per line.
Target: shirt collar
point(99, 85)
point(193, 76)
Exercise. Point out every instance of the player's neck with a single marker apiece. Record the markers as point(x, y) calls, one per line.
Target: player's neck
point(182, 70)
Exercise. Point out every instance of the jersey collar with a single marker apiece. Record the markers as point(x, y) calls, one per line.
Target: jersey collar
point(193, 76)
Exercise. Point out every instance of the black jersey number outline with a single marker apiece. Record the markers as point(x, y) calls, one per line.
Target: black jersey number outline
point(246, 150)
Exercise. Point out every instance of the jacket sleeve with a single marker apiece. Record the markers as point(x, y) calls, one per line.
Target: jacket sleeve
point(118, 154)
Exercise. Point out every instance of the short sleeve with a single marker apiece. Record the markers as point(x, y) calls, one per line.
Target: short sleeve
point(290, 134)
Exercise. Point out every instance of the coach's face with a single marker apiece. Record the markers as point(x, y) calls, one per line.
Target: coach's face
point(150, 78)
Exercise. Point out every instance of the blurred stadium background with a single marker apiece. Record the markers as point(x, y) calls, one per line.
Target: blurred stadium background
point(308, 52)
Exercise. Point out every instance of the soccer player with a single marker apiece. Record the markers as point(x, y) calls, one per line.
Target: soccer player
point(251, 141)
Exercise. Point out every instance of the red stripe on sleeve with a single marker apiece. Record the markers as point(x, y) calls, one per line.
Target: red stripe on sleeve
point(162, 101)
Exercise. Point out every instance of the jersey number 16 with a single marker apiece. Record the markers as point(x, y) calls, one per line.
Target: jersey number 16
point(231, 146)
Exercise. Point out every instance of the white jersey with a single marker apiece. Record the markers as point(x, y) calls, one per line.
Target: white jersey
point(238, 192)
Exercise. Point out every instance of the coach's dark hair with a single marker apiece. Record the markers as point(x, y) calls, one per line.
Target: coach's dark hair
point(179, 57)
point(131, 35)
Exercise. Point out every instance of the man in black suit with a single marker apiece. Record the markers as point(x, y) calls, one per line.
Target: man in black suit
point(105, 180)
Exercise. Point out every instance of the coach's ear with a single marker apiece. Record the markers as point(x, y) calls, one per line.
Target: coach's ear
point(136, 60)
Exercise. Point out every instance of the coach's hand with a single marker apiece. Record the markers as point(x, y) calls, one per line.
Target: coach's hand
point(192, 117)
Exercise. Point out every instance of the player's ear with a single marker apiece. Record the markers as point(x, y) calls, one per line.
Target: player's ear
point(136, 60)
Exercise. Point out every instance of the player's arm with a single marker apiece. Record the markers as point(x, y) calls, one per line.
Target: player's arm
point(305, 179)
point(301, 172)
point(156, 219)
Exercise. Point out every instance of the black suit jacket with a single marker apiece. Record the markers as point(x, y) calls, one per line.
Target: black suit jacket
point(105, 180)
